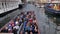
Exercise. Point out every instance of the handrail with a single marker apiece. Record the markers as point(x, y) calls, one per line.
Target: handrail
point(20, 28)
point(7, 23)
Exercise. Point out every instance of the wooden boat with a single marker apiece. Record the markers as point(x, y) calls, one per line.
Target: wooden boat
point(29, 26)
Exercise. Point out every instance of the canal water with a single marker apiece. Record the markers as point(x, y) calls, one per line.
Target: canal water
point(45, 23)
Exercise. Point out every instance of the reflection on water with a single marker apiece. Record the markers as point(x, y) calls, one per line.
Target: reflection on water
point(55, 19)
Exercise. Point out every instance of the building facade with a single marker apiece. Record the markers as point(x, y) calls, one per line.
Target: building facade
point(6, 5)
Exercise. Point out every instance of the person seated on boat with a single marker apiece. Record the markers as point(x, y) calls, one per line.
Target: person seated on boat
point(32, 27)
point(18, 18)
point(28, 28)
point(28, 33)
point(27, 17)
point(10, 28)
point(14, 31)
point(24, 24)
point(32, 14)
point(22, 18)
point(12, 23)
point(34, 20)
point(16, 22)
point(4, 30)
point(36, 29)
point(22, 12)
point(22, 15)
point(16, 27)
point(20, 21)
point(29, 13)
point(50, 6)
point(30, 20)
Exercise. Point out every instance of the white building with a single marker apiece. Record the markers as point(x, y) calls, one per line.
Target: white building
point(6, 5)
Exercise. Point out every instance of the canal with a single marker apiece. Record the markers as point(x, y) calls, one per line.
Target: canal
point(47, 23)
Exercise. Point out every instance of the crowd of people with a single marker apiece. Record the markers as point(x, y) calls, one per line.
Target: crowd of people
point(29, 24)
